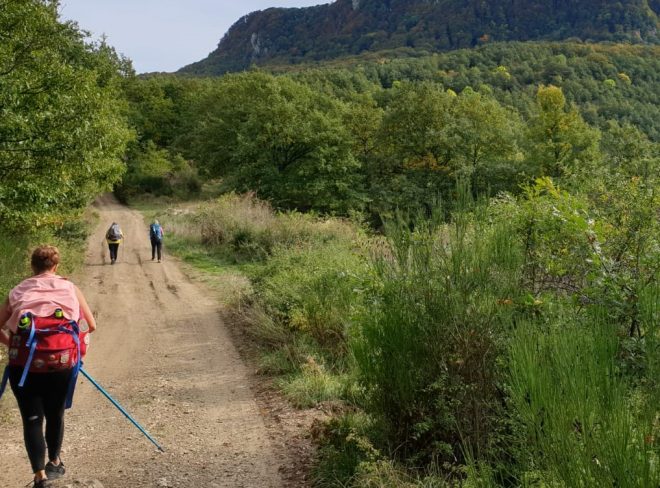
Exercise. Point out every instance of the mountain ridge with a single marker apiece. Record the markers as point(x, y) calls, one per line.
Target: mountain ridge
point(349, 27)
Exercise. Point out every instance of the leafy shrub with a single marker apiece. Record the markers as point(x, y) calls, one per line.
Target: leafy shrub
point(314, 290)
point(345, 444)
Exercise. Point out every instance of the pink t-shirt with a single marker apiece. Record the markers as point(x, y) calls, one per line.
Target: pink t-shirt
point(41, 295)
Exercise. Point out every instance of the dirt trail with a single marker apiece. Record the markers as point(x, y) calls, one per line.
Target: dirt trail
point(162, 351)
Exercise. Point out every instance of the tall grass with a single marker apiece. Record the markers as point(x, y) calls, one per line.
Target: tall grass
point(244, 228)
point(428, 346)
point(585, 424)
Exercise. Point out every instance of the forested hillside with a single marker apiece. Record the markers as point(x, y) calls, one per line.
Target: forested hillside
point(316, 138)
point(620, 82)
point(349, 27)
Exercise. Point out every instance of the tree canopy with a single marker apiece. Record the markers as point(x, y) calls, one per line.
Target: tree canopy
point(62, 131)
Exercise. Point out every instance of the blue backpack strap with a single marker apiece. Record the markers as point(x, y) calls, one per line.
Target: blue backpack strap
point(3, 383)
point(75, 334)
point(71, 389)
point(32, 344)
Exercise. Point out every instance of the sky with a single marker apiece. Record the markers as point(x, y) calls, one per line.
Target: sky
point(164, 35)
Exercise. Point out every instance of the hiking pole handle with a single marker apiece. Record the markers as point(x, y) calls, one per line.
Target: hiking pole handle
point(121, 409)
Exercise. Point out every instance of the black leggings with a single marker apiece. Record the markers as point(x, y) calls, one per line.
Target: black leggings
point(114, 247)
point(156, 245)
point(43, 395)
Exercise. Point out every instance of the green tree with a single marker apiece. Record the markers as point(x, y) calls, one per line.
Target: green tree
point(281, 139)
point(363, 118)
point(629, 150)
point(151, 112)
point(561, 143)
point(484, 138)
point(62, 133)
point(430, 138)
point(413, 167)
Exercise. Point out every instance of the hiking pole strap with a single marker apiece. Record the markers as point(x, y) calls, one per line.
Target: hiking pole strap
point(121, 409)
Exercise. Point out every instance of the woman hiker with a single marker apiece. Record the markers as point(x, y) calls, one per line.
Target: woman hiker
point(43, 395)
point(156, 238)
point(114, 237)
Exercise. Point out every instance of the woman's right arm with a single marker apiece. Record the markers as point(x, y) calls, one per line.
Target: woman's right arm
point(5, 313)
point(87, 312)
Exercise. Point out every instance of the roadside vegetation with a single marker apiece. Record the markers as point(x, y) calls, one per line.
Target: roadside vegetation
point(512, 344)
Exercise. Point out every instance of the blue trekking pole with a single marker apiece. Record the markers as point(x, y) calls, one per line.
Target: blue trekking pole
point(120, 408)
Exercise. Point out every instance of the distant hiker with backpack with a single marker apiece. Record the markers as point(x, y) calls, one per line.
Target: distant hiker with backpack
point(114, 237)
point(156, 237)
point(44, 322)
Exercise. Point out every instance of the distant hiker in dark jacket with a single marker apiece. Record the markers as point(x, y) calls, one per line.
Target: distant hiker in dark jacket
point(156, 238)
point(114, 236)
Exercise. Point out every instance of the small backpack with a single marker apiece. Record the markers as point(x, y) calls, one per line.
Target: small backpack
point(114, 234)
point(155, 232)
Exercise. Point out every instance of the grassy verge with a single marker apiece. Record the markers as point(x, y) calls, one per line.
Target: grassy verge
point(288, 279)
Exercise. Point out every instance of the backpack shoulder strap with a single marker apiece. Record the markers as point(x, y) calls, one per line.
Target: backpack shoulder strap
point(32, 344)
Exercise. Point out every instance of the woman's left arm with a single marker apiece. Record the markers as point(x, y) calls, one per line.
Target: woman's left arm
point(5, 313)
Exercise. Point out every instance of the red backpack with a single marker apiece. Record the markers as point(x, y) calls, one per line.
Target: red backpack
point(47, 344)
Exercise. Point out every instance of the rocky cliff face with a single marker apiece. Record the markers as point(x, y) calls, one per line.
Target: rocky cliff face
point(348, 27)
